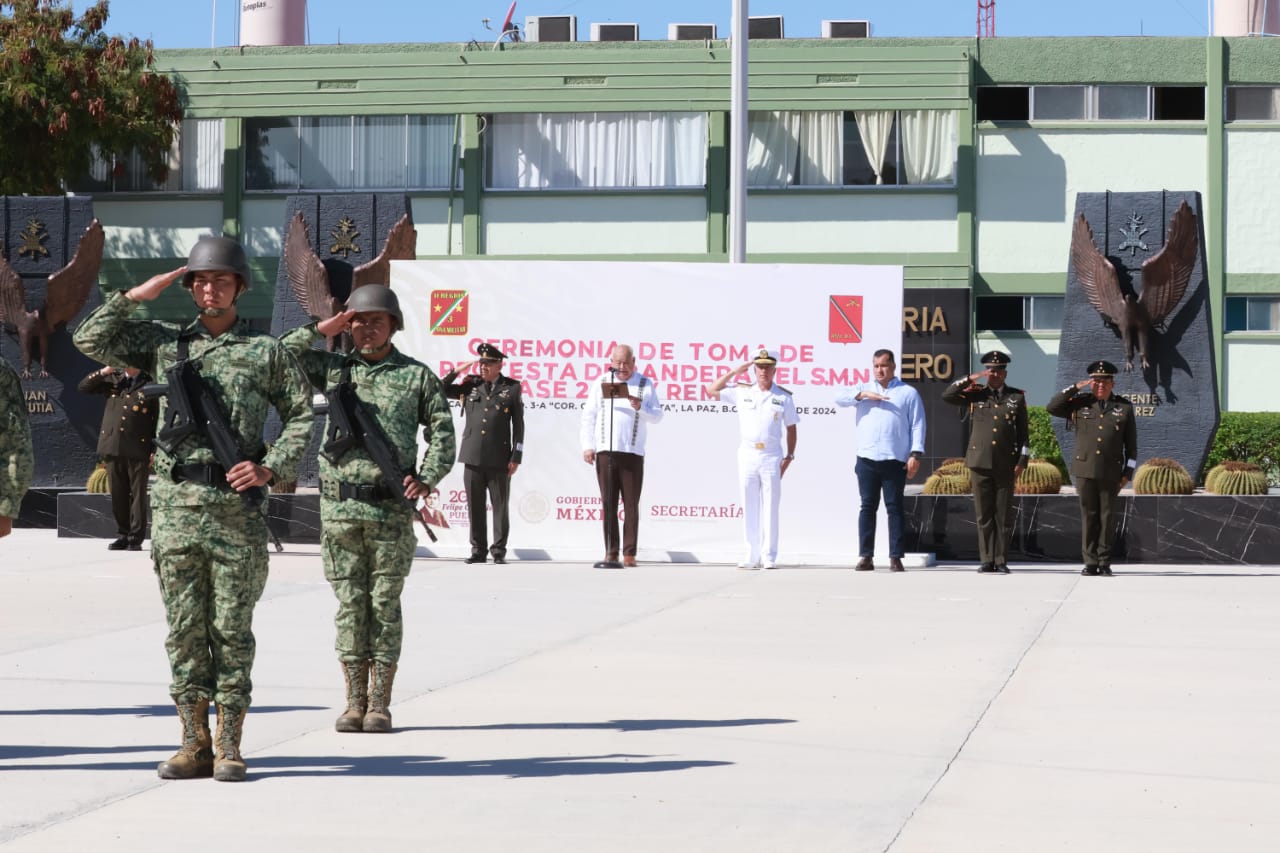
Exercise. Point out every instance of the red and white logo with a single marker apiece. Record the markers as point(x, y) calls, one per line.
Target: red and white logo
point(844, 319)
point(449, 309)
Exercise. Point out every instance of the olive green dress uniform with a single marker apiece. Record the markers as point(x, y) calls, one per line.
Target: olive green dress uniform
point(125, 445)
point(997, 445)
point(17, 461)
point(492, 438)
point(1106, 451)
point(208, 548)
point(368, 540)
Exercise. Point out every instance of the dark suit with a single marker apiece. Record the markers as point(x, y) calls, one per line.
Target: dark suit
point(125, 444)
point(997, 445)
point(1106, 452)
point(492, 438)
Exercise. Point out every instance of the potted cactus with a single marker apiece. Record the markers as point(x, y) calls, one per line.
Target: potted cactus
point(1162, 476)
point(1040, 477)
point(1236, 478)
point(98, 484)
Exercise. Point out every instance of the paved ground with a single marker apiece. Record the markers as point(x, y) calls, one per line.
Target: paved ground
point(551, 707)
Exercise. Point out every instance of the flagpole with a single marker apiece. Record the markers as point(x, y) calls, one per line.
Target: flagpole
point(738, 134)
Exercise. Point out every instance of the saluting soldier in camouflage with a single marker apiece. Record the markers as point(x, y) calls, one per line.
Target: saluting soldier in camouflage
point(209, 549)
point(16, 459)
point(367, 539)
point(997, 453)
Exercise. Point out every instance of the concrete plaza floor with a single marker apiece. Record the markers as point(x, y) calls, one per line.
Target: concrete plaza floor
point(548, 707)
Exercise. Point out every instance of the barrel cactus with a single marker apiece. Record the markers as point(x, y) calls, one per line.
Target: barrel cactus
point(1162, 476)
point(953, 467)
point(1212, 476)
point(1040, 477)
point(1237, 478)
point(946, 484)
point(98, 483)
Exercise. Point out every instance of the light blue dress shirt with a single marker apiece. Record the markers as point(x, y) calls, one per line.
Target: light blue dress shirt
point(886, 429)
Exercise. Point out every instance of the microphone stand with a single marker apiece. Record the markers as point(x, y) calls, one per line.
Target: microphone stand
point(609, 475)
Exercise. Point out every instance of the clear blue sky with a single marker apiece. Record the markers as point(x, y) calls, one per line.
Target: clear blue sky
point(188, 23)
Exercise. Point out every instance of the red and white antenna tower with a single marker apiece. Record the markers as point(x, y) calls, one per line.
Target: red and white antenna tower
point(986, 19)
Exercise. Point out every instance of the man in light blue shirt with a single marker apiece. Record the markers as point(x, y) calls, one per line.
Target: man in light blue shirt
point(889, 419)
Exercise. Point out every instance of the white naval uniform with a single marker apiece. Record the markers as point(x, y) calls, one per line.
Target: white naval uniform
point(763, 417)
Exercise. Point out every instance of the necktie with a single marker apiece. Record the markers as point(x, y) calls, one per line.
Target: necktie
point(488, 388)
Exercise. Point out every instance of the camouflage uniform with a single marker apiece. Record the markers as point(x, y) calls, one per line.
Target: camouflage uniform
point(209, 550)
point(16, 460)
point(368, 545)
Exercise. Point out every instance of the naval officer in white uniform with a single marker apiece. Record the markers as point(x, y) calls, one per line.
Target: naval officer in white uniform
point(765, 413)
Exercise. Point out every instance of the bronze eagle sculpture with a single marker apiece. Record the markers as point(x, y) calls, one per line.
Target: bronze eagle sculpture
point(1164, 280)
point(309, 279)
point(67, 293)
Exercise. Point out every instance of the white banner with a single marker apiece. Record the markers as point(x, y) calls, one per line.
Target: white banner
point(688, 324)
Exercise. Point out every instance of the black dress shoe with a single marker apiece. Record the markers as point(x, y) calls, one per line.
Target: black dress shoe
point(119, 545)
point(864, 564)
point(500, 561)
point(1105, 571)
point(1090, 570)
point(474, 558)
point(1002, 569)
point(987, 569)
point(895, 564)
point(135, 546)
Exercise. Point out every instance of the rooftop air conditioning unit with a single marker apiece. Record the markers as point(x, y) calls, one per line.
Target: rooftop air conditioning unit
point(769, 27)
point(846, 29)
point(615, 32)
point(551, 28)
point(691, 32)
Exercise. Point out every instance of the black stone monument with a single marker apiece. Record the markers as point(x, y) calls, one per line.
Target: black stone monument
point(935, 353)
point(1176, 397)
point(40, 235)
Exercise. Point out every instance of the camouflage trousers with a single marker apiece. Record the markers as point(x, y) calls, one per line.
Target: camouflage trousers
point(212, 565)
point(366, 563)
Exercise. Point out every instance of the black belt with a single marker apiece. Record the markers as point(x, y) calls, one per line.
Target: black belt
point(208, 475)
point(364, 492)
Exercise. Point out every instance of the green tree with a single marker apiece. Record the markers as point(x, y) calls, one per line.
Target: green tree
point(66, 87)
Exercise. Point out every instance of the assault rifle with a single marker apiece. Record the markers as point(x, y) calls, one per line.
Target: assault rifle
point(194, 410)
point(351, 425)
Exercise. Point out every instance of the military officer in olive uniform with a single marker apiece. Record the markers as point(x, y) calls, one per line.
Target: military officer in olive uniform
point(128, 427)
point(492, 446)
point(1105, 457)
point(997, 453)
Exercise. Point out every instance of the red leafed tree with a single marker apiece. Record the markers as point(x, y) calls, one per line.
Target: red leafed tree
point(66, 87)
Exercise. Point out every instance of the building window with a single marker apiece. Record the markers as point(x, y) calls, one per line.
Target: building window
point(195, 164)
point(1253, 314)
point(349, 153)
point(1018, 313)
point(853, 148)
point(1128, 102)
point(1253, 103)
point(555, 151)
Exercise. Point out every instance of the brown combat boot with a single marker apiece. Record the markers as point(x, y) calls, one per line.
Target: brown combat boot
point(378, 718)
point(194, 759)
point(357, 676)
point(228, 765)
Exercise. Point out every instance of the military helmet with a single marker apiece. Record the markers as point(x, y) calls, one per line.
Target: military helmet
point(220, 254)
point(376, 297)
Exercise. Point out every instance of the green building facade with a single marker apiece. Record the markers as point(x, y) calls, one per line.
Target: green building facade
point(958, 158)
